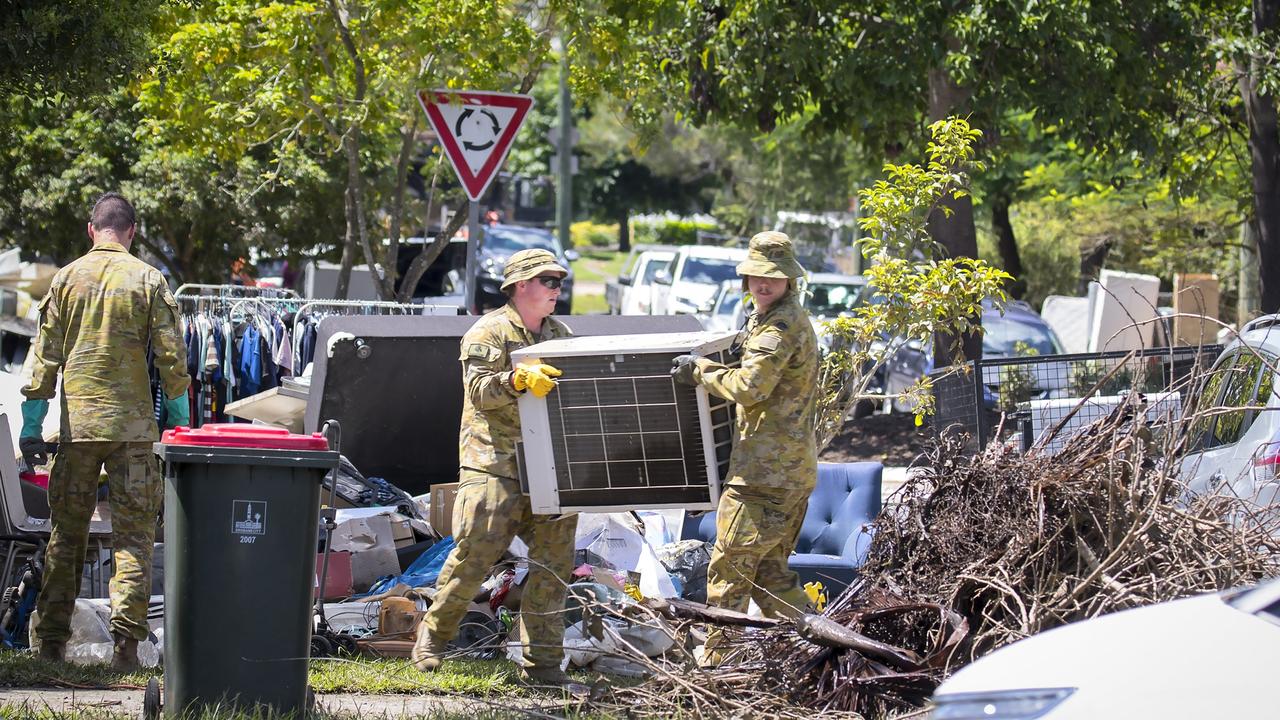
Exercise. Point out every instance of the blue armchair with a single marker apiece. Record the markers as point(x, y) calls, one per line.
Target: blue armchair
point(836, 534)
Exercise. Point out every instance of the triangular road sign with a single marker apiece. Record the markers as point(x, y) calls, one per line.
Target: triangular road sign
point(476, 130)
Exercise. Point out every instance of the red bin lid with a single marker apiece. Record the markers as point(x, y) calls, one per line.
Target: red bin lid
point(244, 435)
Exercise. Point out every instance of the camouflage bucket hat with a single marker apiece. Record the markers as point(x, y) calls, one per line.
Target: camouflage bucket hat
point(529, 264)
point(770, 255)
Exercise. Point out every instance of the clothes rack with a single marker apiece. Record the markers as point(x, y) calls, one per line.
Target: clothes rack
point(307, 317)
point(203, 290)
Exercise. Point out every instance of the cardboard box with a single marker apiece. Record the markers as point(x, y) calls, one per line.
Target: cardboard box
point(442, 498)
point(402, 531)
point(1195, 302)
point(372, 546)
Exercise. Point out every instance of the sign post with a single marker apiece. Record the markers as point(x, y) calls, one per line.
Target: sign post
point(476, 130)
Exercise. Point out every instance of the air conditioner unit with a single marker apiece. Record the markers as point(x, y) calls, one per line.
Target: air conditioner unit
point(618, 433)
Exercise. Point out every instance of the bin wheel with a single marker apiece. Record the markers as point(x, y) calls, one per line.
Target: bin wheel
point(321, 647)
point(151, 700)
point(346, 645)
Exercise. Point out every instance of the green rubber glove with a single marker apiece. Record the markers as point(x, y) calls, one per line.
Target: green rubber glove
point(178, 412)
point(33, 412)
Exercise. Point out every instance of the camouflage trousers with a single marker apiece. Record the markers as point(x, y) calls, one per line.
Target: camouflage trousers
point(136, 493)
point(756, 530)
point(488, 512)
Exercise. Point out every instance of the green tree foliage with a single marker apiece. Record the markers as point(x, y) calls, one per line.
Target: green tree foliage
point(1106, 74)
point(60, 152)
point(237, 76)
point(70, 45)
point(920, 293)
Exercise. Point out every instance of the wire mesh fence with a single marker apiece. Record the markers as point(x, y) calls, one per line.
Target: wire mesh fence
point(995, 398)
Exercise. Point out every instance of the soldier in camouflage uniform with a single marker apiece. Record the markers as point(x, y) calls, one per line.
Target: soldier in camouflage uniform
point(490, 509)
point(96, 322)
point(774, 463)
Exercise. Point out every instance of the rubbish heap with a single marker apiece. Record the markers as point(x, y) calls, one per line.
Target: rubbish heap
point(976, 552)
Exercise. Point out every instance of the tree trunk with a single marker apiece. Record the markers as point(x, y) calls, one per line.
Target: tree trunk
point(344, 269)
point(1008, 244)
point(170, 264)
point(1247, 295)
point(356, 222)
point(956, 233)
point(431, 252)
point(1264, 153)
point(392, 255)
point(624, 230)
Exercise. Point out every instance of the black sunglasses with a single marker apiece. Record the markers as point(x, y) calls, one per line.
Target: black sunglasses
point(551, 282)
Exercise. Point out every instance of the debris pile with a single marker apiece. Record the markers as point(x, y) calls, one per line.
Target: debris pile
point(976, 552)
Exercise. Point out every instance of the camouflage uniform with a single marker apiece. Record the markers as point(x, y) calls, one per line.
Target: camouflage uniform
point(96, 322)
point(490, 510)
point(774, 464)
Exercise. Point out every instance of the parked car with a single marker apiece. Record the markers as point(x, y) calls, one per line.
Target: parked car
point(500, 243)
point(831, 295)
point(1210, 656)
point(695, 274)
point(725, 311)
point(1235, 436)
point(1018, 329)
point(631, 293)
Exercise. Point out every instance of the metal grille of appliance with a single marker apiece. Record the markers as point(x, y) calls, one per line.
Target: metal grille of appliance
point(619, 433)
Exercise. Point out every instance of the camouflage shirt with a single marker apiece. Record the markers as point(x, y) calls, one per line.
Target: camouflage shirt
point(96, 321)
point(490, 415)
point(775, 390)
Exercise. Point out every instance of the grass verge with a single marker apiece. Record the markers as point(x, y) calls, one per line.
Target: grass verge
point(598, 265)
point(464, 687)
point(589, 304)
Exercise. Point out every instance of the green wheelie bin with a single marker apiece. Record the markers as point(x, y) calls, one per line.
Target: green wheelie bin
point(241, 518)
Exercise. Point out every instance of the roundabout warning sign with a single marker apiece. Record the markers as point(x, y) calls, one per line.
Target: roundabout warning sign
point(476, 130)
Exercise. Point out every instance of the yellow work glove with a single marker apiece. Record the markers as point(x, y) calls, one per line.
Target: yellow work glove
point(537, 379)
point(816, 595)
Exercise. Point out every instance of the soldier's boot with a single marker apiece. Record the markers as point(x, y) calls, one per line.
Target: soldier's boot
point(53, 650)
point(713, 649)
point(125, 656)
point(428, 650)
point(553, 677)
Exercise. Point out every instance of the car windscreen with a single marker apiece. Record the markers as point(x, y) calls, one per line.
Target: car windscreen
point(653, 268)
point(729, 305)
point(708, 271)
point(505, 241)
point(1005, 337)
point(829, 300)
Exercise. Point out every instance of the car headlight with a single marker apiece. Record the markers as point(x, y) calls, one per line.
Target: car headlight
point(998, 705)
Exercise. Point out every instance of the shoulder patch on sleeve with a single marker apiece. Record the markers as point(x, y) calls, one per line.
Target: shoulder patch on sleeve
point(481, 351)
point(765, 343)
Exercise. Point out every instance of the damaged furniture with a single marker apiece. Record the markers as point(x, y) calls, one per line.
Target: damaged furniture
point(837, 532)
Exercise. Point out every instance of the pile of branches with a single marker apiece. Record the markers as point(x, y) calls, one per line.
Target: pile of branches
point(976, 552)
point(1020, 543)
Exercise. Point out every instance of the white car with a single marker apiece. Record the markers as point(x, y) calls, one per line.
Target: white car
point(1235, 443)
point(1211, 656)
point(727, 311)
point(695, 275)
point(632, 292)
